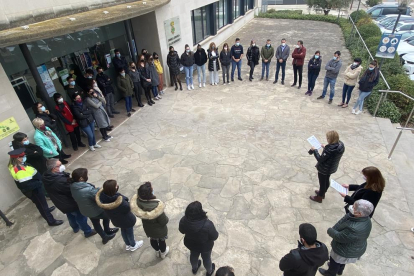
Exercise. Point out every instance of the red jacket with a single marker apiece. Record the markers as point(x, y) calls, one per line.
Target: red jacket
point(298, 56)
point(65, 114)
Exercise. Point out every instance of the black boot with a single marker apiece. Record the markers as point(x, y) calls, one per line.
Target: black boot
point(181, 88)
point(176, 86)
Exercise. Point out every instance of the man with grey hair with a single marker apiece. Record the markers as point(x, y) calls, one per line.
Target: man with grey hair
point(349, 237)
point(55, 180)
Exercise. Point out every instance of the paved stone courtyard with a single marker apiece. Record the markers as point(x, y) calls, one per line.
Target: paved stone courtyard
point(241, 150)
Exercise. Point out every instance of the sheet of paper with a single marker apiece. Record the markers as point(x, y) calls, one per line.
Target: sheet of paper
point(338, 187)
point(314, 142)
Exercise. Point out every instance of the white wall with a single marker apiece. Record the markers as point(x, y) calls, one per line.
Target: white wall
point(183, 10)
point(10, 107)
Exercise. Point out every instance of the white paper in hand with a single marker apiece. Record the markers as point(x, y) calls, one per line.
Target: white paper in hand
point(314, 142)
point(338, 187)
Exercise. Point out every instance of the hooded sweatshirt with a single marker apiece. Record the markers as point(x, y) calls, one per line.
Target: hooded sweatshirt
point(304, 261)
point(199, 234)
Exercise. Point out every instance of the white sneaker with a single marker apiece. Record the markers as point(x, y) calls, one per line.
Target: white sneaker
point(204, 84)
point(157, 254)
point(159, 97)
point(358, 112)
point(107, 140)
point(211, 84)
point(138, 244)
point(156, 98)
point(91, 148)
point(224, 83)
point(200, 85)
point(189, 87)
point(163, 255)
point(353, 111)
point(127, 248)
point(97, 146)
point(192, 86)
point(215, 83)
point(110, 137)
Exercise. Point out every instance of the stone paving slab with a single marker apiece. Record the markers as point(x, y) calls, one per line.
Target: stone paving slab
point(241, 150)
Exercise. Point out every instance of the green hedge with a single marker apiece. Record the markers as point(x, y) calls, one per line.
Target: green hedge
point(358, 15)
point(386, 110)
point(373, 41)
point(285, 11)
point(369, 30)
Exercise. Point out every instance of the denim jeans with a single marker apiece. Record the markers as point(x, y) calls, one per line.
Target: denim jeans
point(206, 256)
point(278, 66)
point(188, 75)
point(201, 72)
point(77, 220)
point(328, 81)
point(312, 80)
point(90, 132)
point(361, 98)
point(265, 66)
point(233, 68)
point(346, 93)
point(128, 103)
point(155, 91)
point(226, 69)
point(128, 236)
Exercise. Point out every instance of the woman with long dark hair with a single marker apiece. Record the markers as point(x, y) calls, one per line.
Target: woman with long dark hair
point(200, 235)
point(368, 81)
point(173, 62)
point(145, 79)
point(150, 210)
point(314, 67)
point(370, 190)
point(213, 64)
point(50, 119)
point(153, 75)
point(225, 60)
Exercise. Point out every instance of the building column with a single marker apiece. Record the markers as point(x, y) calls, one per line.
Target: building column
point(131, 43)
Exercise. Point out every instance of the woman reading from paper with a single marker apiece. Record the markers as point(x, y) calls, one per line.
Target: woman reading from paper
point(328, 162)
point(371, 190)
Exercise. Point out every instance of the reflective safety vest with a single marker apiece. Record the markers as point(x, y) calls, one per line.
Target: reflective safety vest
point(21, 174)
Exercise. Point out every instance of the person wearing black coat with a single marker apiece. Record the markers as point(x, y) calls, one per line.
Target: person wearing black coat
point(33, 152)
point(145, 79)
point(173, 62)
point(187, 60)
point(225, 60)
point(200, 59)
point(120, 62)
point(105, 85)
point(213, 64)
point(314, 67)
point(200, 235)
point(253, 57)
point(84, 117)
point(328, 163)
point(117, 208)
point(368, 81)
point(50, 119)
point(55, 180)
point(371, 190)
point(310, 254)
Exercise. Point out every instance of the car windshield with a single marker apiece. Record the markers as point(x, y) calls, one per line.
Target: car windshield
point(411, 42)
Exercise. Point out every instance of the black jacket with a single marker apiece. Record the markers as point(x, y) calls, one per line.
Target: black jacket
point(253, 55)
point(82, 114)
point(117, 209)
point(50, 121)
point(58, 189)
point(304, 262)
point(120, 63)
point(104, 84)
point(225, 58)
point(173, 62)
point(187, 60)
point(200, 57)
point(362, 193)
point(328, 162)
point(211, 60)
point(364, 84)
point(199, 234)
point(34, 155)
point(314, 65)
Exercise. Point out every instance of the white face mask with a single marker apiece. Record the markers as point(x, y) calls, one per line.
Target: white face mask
point(253, 44)
point(297, 46)
point(351, 209)
point(62, 168)
point(60, 100)
point(283, 44)
point(355, 63)
point(225, 48)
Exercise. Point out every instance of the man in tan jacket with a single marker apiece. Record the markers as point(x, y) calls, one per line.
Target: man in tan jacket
point(351, 78)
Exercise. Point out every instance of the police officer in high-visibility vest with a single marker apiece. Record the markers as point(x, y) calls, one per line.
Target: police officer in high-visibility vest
point(28, 180)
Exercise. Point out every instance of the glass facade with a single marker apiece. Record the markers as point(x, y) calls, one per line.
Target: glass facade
point(236, 9)
point(199, 24)
point(221, 14)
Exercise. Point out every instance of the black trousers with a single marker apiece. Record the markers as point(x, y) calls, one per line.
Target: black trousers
point(97, 225)
point(278, 66)
point(335, 268)
point(297, 70)
point(158, 245)
point(104, 133)
point(323, 183)
point(251, 68)
point(138, 92)
point(38, 198)
point(75, 138)
point(147, 90)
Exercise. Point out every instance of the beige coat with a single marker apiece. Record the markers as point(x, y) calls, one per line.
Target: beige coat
point(351, 76)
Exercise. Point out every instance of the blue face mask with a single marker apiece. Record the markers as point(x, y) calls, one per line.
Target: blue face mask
point(72, 83)
point(268, 45)
point(316, 56)
point(237, 43)
point(89, 77)
point(24, 159)
point(43, 109)
point(26, 142)
point(118, 55)
point(371, 68)
point(335, 58)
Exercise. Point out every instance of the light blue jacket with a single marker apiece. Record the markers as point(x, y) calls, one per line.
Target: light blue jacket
point(46, 144)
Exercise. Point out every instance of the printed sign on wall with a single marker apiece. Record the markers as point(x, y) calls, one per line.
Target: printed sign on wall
point(8, 127)
point(172, 30)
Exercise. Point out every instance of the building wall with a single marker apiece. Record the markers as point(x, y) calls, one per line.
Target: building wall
point(183, 9)
point(10, 107)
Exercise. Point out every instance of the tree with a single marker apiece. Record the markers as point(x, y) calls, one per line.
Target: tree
point(328, 5)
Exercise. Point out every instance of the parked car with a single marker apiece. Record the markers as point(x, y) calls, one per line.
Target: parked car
point(403, 26)
point(388, 17)
point(405, 47)
point(385, 9)
point(408, 66)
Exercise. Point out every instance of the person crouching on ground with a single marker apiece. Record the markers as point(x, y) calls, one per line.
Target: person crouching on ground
point(154, 221)
point(349, 237)
point(328, 163)
point(309, 255)
point(116, 207)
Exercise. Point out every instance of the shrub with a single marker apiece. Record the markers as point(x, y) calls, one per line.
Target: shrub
point(387, 108)
point(373, 41)
point(359, 15)
point(364, 21)
point(372, 3)
point(369, 30)
point(401, 82)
